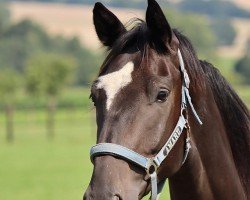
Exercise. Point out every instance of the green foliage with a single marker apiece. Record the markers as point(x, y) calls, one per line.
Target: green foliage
point(4, 18)
point(23, 40)
point(243, 67)
point(196, 28)
point(87, 63)
point(205, 34)
point(248, 48)
point(9, 85)
point(224, 31)
point(226, 66)
point(19, 42)
point(48, 73)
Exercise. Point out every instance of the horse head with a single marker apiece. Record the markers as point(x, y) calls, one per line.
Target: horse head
point(138, 102)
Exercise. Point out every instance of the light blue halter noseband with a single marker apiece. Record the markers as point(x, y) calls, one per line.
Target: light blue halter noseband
point(152, 164)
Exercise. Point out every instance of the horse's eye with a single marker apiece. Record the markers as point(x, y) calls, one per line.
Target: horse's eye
point(162, 96)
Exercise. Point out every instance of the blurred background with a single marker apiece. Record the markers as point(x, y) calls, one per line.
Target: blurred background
point(49, 54)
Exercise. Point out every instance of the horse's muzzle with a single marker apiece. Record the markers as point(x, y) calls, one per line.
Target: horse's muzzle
point(89, 196)
point(115, 179)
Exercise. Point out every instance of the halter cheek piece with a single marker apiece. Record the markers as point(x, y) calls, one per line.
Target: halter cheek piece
point(152, 164)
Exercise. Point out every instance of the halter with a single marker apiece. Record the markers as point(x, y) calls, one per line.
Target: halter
point(152, 164)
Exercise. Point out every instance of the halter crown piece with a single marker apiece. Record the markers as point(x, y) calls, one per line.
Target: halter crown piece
point(152, 164)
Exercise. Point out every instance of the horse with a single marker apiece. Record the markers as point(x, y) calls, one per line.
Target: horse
point(163, 113)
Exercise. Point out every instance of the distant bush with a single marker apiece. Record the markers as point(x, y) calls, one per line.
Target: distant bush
point(47, 75)
point(224, 31)
point(4, 17)
point(196, 28)
point(243, 67)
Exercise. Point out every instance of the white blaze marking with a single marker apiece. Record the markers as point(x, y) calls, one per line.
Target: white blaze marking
point(112, 83)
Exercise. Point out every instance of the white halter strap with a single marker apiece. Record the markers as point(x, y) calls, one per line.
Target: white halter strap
point(152, 164)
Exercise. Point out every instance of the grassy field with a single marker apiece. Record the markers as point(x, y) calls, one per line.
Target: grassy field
point(35, 168)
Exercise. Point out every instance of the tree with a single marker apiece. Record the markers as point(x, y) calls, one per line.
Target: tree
point(196, 28)
point(47, 75)
point(224, 31)
point(87, 63)
point(22, 40)
point(243, 65)
point(9, 84)
point(4, 18)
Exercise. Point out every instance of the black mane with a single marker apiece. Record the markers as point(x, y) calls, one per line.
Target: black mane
point(235, 114)
point(236, 118)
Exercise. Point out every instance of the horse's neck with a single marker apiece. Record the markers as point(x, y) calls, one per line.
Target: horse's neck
point(210, 171)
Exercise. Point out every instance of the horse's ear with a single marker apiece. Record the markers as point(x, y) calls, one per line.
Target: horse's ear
point(108, 27)
point(157, 23)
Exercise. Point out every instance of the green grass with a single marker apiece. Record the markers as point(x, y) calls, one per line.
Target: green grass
point(226, 67)
point(35, 168)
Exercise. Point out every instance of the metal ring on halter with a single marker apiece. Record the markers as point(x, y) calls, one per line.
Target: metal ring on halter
point(151, 167)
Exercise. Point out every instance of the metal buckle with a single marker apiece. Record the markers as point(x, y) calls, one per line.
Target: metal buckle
point(183, 108)
point(151, 167)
